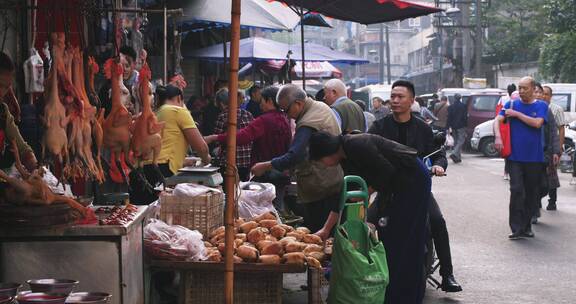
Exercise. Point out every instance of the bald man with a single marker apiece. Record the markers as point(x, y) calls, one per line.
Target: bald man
point(349, 115)
point(526, 163)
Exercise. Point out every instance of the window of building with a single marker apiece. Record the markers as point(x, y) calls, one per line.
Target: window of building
point(414, 22)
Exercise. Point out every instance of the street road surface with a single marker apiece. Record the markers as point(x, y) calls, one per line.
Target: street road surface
point(491, 268)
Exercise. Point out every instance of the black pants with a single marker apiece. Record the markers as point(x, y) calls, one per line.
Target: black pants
point(552, 195)
point(316, 213)
point(139, 194)
point(525, 185)
point(440, 237)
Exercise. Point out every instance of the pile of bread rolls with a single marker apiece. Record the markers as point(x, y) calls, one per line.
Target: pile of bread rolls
point(265, 240)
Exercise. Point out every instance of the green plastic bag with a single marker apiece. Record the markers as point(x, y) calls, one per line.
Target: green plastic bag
point(359, 267)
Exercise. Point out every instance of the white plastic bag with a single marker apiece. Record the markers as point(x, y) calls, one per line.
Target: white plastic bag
point(449, 141)
point(256, 199)
point(173, 242)
point(192, 190)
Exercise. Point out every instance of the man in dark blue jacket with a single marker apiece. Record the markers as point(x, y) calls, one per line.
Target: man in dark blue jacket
point(457, 120)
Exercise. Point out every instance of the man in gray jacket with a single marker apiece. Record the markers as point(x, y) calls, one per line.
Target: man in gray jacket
point(349, 115)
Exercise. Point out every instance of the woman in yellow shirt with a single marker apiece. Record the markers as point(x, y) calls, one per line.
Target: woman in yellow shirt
point(180, 131)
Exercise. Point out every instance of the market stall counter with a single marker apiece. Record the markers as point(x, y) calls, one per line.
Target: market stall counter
point(203, 282)
point(104, 258)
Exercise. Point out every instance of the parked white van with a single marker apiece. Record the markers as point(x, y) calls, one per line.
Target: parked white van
point(370, 91)
point(564, 95)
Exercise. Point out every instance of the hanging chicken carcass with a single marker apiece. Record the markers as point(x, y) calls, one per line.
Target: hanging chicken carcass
point(117, 124)
point(55, 120)
point(97, 133)
point(33, 190)
point(146, 136)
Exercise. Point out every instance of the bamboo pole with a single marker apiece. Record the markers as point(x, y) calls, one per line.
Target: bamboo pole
point(230, 183)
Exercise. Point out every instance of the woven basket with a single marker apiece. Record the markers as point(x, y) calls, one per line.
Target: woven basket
point(203, 287)
point(317, 286)
point(203, 212)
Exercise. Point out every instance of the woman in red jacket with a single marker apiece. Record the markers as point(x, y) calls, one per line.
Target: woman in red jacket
point(270, 135)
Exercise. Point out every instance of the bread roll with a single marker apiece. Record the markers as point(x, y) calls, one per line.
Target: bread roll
point(256, 235)
point(312, 239)
point(268, 223)
point(278, 231)
point(313, 263)
point(247, 253)
point(263, 244)
point(269, 259)
point(248, 226)
point(303, 230)
point(287, 239)
point(241, 236)
point(238, 259)
point(217, 231)
point(288, 228)
point(296, 235)
point(265, 216)
point(295, 247)
point(312, 248)
point(272, 248)
point(214, 256)
point(320, 256)
point(271, 238)
point(297, 258)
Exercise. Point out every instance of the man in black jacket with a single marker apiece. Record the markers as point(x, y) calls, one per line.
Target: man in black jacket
point(408, 130)
point(403, 185)
point(457, 121)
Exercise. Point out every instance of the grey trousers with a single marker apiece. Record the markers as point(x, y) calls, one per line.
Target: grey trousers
point(459, 140)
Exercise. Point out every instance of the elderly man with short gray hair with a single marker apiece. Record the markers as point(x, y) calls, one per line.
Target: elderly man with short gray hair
point(318, 186)
point(349, 115)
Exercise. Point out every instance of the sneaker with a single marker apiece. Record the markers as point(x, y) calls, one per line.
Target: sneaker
point(551, 206)
point(534, 220)
point(528, 234)
point(573, 181)
point(515, 236)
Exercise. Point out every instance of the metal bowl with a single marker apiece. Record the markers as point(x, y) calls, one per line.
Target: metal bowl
point(88, 298)
point(60, 286)
point(9, 289)
point(27, 297)
point(6, 299)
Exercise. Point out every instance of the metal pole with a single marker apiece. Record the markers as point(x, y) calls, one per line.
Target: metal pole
point(381, 55)
point(231, 170)
point(441, 51)
point(303, 56)
point(479, 36)
point(388, 56)
point(165, 44)
point(225, 62)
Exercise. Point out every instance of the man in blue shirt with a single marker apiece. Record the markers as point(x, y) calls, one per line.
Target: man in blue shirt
point(527, 116)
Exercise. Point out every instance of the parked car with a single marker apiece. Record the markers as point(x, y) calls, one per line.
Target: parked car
point(481, 108)
point(483, 138)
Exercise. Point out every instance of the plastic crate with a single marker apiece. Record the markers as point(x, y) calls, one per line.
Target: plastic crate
point(203, 212)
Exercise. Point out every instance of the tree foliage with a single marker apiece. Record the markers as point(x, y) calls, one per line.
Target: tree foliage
point(515, 30)
point(558, 56)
